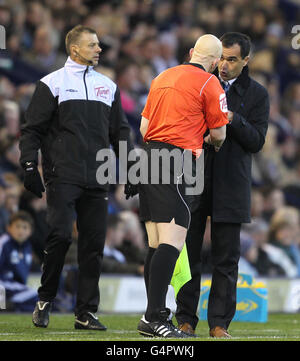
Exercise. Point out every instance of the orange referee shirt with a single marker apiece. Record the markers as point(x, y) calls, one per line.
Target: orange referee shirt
point(182, 103)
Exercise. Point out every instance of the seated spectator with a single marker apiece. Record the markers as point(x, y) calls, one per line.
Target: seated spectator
point(13, 192)
point(121, 203)
point(37, 208)
point(15, 263)
point(289, 153)
point(167, 52)
point(293, 117)
point(257, 203)
point(269, 163)
point(12, 118)
point(4, 215)
point(273, 200)
point(127, 78)
point(114, 261)
point(43, 54)
point(258, 230)
point(148, 52)
point(9, 161)
point(134, 232)
point(249, 255)
point(282, 248)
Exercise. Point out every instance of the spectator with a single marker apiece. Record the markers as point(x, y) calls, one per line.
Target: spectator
point(273, 200)
point(134, 232)
point(258, 230)
point(149, 51)
point(294, 120)
point(114, 261)
point(6, 18)
point(134, 243)
point(9, 162)
point(43, 54)
point(15, 263)
point(12, 117)
point(257, 204)
point(167, 52)
point(13, 193)
point(128, 82)
point(4, 215)
point(37, 208)
point(36, 15)
point(121, 203)
point(249, 255)
point(282, 248)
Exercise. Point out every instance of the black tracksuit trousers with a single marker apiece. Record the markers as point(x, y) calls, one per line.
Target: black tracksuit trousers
point(67, 202)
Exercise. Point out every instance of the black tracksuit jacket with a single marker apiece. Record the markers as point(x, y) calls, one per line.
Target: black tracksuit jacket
point(74, 112)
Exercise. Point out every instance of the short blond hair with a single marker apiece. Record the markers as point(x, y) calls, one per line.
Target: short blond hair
point(74, 34)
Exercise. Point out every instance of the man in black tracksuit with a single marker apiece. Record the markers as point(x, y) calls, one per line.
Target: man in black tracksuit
point(74, 112)
point(227, 191)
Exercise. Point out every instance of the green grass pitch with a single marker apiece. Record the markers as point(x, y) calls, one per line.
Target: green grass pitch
point(19, 327)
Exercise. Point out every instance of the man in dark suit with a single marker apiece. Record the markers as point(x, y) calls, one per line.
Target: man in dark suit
point(227, 190)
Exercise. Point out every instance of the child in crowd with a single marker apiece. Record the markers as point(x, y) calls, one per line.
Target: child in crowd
point(15, 263)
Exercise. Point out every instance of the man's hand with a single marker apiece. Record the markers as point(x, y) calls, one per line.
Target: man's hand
point(131, 190)
point(32, 179)
point(207, 140)
point(230, 116)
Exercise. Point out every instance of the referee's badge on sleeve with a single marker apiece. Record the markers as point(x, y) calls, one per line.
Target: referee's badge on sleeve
point(223, 103)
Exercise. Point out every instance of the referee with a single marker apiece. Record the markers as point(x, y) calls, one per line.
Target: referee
point(183, 102)
point(74, 112)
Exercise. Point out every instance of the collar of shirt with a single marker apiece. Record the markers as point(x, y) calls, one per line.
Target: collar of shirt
point(194, 64)
point(75, 67)
point(228, 82)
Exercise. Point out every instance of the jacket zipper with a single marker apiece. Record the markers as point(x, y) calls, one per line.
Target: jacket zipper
point(87, 98)
point(84, 74)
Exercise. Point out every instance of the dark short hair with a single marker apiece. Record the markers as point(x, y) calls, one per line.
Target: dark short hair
point(21, 216)
point(243, 40)
point(74, 34)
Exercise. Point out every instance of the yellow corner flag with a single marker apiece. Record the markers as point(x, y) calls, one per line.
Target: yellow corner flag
point(182, 272)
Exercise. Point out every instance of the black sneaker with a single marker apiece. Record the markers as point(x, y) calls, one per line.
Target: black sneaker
point(162, 328)
point(40, 316)
point(88, 321)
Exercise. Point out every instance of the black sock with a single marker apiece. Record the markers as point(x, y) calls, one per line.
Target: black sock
point(148, 259)
point(161, 271)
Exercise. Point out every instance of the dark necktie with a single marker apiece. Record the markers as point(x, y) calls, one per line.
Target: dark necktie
point(225, 86)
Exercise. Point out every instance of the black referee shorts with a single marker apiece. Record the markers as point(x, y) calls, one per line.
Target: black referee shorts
point(162, 197)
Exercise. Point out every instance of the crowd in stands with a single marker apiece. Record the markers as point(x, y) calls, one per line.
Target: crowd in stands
point(140, 39)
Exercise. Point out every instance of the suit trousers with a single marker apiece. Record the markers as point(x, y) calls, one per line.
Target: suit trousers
point(225, 253)
point(67, 203)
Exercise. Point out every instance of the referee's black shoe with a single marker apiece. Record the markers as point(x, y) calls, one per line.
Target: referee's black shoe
point(40, 316)
point(163, 328)
point(88, 321)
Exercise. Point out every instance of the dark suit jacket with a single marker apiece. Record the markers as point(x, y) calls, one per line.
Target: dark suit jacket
point(228, 174)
